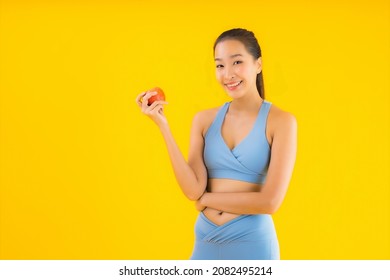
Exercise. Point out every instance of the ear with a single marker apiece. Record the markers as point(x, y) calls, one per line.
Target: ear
point(259, 65)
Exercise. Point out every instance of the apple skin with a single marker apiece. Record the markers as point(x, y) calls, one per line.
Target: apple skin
point(160, 96)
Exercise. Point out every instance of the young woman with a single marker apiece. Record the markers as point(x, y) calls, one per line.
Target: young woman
point(240, 160)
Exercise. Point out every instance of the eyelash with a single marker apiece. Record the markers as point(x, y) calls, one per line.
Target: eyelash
point(239, 62)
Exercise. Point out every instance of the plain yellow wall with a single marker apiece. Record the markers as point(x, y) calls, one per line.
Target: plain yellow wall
point(84, 175)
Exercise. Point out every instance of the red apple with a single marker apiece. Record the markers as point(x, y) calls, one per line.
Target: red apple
point(160, 96)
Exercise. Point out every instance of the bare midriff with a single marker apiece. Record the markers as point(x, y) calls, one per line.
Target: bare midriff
point(226, 185)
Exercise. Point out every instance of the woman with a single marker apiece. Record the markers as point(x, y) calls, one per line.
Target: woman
point(241, 157)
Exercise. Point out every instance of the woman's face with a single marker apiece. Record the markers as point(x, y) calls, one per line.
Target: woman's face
point(236, 68)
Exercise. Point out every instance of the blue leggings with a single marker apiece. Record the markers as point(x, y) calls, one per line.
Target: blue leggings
point(246, 237)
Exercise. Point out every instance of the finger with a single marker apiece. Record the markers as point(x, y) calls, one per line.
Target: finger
point(144, 101)
point(155, 107)
point(139, 97)
point(150, 94)
point(147, 96)
point(160, 109)
point(158, 102)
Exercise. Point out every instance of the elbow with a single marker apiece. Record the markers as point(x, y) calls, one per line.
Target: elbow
point(266, 210)
point(194, 195)
point(270, 207)
point(191, 191)
point(273, 206)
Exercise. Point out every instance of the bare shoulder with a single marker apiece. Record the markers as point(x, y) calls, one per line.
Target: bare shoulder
point(280, 120)
point(203, 119)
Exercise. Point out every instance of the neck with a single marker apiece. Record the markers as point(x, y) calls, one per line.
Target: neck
point(247, 103)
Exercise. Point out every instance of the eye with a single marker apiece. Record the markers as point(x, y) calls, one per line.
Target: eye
point(219, 66)
point(237, 62)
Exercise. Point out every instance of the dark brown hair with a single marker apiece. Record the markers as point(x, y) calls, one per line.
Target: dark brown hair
point(252, 46)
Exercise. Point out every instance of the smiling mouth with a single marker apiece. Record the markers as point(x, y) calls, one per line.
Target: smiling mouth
point(233, 85)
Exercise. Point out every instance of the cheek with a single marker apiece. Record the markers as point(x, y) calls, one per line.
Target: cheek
point(238, 71)
point(247, 73)
point(243, 71)
point(218, 74)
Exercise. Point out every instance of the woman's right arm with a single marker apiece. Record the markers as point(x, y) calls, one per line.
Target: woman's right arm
point(191, 176)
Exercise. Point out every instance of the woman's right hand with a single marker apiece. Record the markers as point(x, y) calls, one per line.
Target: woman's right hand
point(155, 111)
point(199, 206)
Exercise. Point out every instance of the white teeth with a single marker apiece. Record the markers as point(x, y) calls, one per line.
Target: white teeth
point(233, 85)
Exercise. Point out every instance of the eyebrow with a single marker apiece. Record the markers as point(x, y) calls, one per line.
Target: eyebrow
point(232, 56)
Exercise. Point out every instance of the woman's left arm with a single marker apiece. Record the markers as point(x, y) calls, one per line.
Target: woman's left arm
point(269, 199)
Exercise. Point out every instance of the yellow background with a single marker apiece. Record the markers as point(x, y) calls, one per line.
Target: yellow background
point(84, 175)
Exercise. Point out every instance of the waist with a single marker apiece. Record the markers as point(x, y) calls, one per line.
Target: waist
point(226, 185)
point(231, 185)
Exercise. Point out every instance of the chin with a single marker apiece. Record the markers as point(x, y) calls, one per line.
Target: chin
point(235, 96)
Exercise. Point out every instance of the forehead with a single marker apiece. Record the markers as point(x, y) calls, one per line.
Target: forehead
point(229, 47)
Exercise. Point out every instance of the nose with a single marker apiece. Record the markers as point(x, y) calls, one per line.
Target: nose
point(229, 74)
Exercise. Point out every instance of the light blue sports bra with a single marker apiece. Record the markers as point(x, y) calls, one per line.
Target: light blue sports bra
point(249, 160)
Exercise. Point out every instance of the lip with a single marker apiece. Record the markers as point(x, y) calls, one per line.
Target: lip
point(232, 83)
point(231, 88)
